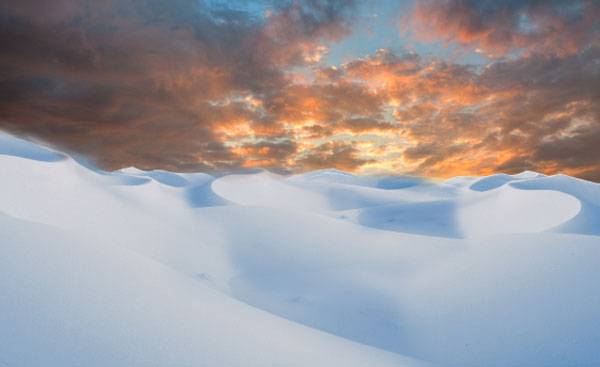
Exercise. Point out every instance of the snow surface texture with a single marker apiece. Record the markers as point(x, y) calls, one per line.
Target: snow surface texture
point(135, 268)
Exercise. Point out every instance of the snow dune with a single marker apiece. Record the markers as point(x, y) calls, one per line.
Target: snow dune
point(507, 209)
point(156, 268)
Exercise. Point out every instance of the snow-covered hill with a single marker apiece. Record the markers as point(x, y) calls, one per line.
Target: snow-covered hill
point(136, 268)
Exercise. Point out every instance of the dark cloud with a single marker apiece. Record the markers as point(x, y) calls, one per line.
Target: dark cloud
point(340, 155)
point(577, 148)
point(499, 27)
point(362, 124)
point(146, 82)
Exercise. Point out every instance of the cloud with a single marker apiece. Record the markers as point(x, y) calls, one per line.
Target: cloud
point(534, 112)
point(148, 82)
point(500, 27)
point(526, 113)
point(340, 155)
point(273, 153)
point(188, 85)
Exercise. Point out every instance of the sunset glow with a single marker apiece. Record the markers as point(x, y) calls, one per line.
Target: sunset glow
point(436, 88)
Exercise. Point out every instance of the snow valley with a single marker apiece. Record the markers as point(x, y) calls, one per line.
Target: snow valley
point(325, 268)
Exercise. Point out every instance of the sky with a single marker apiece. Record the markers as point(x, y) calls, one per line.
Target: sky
point(431, 88)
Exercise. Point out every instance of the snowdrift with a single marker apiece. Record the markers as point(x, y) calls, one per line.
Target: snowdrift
point(156, 268)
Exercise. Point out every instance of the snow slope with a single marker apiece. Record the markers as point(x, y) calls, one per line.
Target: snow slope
point(155, 268)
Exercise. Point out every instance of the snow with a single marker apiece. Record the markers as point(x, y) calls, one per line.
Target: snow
point(326, 268)
point(510, 210)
